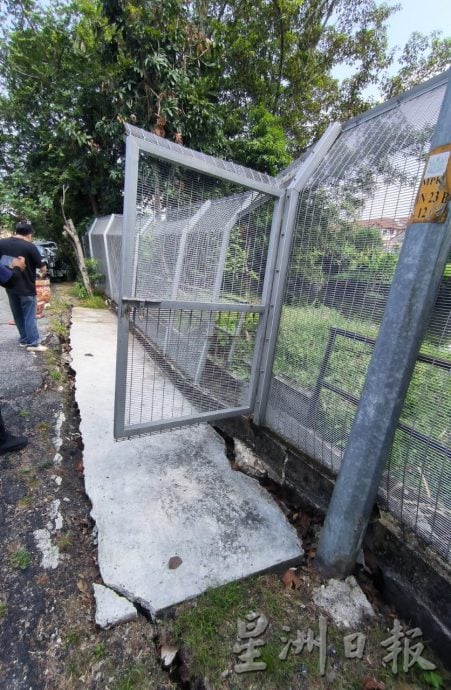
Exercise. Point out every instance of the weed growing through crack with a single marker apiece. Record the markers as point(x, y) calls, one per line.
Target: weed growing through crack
point(100, 651)
point(24, 503)
point(133, 678)
point(3, 609)
point(64, 541)
point(29, 475)
point(45, 465)
point(72, 669)
point(59, 328)
point(24, 413)
point(20, 559)
point(55, 374)
point(73, 638)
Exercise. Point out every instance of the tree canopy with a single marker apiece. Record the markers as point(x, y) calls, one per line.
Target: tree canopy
point(254, 82)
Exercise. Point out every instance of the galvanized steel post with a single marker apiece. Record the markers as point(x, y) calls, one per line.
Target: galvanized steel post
point(406, 317)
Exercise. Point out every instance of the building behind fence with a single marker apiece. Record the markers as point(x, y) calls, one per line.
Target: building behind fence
point(204, 268)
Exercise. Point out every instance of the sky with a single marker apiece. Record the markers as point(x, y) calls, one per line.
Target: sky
point(415, 15)
point(419, 15)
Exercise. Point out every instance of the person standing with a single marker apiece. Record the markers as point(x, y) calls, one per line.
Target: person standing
point(9, 276)
point(22, 295)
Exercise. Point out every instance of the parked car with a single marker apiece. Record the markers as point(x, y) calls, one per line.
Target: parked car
point(56, 269)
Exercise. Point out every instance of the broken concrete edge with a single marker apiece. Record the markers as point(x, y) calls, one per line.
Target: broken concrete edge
point(344, 601)
point(411, 577)
point(111, 608)
point(149, 611)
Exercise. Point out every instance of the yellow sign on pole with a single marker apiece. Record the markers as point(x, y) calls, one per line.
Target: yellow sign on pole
point(431, 204)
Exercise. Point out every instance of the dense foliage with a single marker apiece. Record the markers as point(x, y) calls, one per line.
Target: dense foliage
point(249, 81)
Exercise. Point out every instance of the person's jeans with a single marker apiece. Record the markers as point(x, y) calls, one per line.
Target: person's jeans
point(24, 311)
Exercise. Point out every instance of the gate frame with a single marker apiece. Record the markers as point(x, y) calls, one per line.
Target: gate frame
point(207, 165)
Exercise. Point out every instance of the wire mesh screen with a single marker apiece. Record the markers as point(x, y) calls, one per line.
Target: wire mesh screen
point(350, 225)
point(198, 238)
point(198, 242)
point(417, 483)
point(176, 373)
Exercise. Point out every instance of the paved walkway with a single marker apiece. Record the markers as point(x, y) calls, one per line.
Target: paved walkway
point(170, 495)
point(20, 373)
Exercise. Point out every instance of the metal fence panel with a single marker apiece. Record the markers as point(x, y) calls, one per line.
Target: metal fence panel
point(197, 287)
point(166, 387)
point(351, 219)
point(98, 249)
point(193, 287)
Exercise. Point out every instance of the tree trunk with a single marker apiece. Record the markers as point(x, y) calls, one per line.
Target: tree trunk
point(70, 231)
point(94, 205)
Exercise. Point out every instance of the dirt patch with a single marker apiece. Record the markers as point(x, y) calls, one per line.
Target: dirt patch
point(48, 636)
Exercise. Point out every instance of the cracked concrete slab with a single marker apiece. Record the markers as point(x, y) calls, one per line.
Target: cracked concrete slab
point(171, 494)
point(112, 609)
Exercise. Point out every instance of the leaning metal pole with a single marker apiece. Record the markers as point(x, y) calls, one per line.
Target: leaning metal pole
point(412, 296)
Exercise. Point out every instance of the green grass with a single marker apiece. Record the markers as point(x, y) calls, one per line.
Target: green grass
point(20, 559)
point(3, 609)
point(100, 651)
point(136, 677)
point(73, 638)
point(304, 333)
point(55, 375)
point(94, 302)
point(64, 541)
point(207, 629)
point(43, 426)
point(24, 503)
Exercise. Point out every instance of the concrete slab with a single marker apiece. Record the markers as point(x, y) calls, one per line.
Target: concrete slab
point(111, 609)
point(171, 494)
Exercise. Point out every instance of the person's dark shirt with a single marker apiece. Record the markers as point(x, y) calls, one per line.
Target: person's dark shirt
point(14, 246)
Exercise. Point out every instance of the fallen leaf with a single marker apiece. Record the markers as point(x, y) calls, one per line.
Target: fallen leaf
point(82, 586)
point(174, 562)
point(291, 580)
point(42, 580)
point(168, 654)
point(372, 684)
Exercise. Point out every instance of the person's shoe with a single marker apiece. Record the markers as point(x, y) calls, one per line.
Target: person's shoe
point(37, 348)
point(11, 443)
point(23, 344)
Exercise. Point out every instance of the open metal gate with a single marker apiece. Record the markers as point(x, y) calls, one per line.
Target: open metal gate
point(199, 241)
